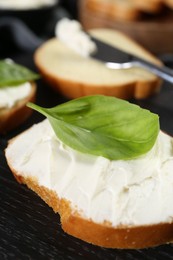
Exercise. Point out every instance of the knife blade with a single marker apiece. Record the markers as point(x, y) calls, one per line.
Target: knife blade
point(114, 58)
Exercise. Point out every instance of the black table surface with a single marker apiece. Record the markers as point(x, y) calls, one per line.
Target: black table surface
point(29, 229)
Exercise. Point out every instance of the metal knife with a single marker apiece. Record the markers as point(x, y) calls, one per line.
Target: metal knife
point(115, 58)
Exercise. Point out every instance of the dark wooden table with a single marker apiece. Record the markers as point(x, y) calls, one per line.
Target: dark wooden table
point(28, 227)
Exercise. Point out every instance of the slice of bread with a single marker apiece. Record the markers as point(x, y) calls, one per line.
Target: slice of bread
point(153, 6)
point(12, 117)
point(120, 10)
point(125, 10)
point(75, 76)
point(98, 201)
point(169, 3)
point(148, 6)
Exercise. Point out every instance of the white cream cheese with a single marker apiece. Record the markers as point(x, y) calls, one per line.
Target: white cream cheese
point(132, 192)
point(71, 34)
point(9, 96)
point(25, 4)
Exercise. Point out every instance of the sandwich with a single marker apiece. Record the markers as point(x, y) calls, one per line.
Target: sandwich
point(17, 87)
point(105, 166)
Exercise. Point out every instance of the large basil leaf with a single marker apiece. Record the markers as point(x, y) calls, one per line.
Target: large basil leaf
point(103, 126)
point(12, 74)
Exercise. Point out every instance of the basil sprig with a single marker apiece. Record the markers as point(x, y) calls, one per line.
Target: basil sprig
point(12, 74)
point(103, 126)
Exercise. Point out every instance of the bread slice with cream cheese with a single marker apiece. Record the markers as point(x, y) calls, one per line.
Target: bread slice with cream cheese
point(74, 75)
point(15, 114)
point(114, 204)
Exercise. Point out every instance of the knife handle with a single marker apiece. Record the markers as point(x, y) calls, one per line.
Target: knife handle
point(163, 72)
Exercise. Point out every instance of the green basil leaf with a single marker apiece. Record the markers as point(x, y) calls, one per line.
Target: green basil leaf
point(12, 74)
point(103, 126)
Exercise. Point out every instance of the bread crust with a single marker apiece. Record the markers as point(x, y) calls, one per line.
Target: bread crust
point(11, 118)
point(116, 10)
point(169, 3)
point(71, 90)
point(141, 88)
point(130, 10)
point(104, 235)
point(148, 6)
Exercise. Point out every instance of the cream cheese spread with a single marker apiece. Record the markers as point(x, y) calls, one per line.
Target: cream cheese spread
point(25, 4)
point(71, 34)
point(133, 192)
point(9, 96)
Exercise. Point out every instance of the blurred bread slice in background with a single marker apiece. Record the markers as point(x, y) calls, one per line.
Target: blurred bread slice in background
point(148, 6)
point(149, 22)
point(12, 117)
point(74, 75)
point(117, 9)
point(169, 3)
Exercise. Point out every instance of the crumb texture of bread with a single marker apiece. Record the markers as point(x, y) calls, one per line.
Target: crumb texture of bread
point(75, 76)
point(10, 118)
point(139, 217)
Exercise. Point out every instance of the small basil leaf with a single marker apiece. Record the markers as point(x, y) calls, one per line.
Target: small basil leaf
point(103, 126)
point(12, 74)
